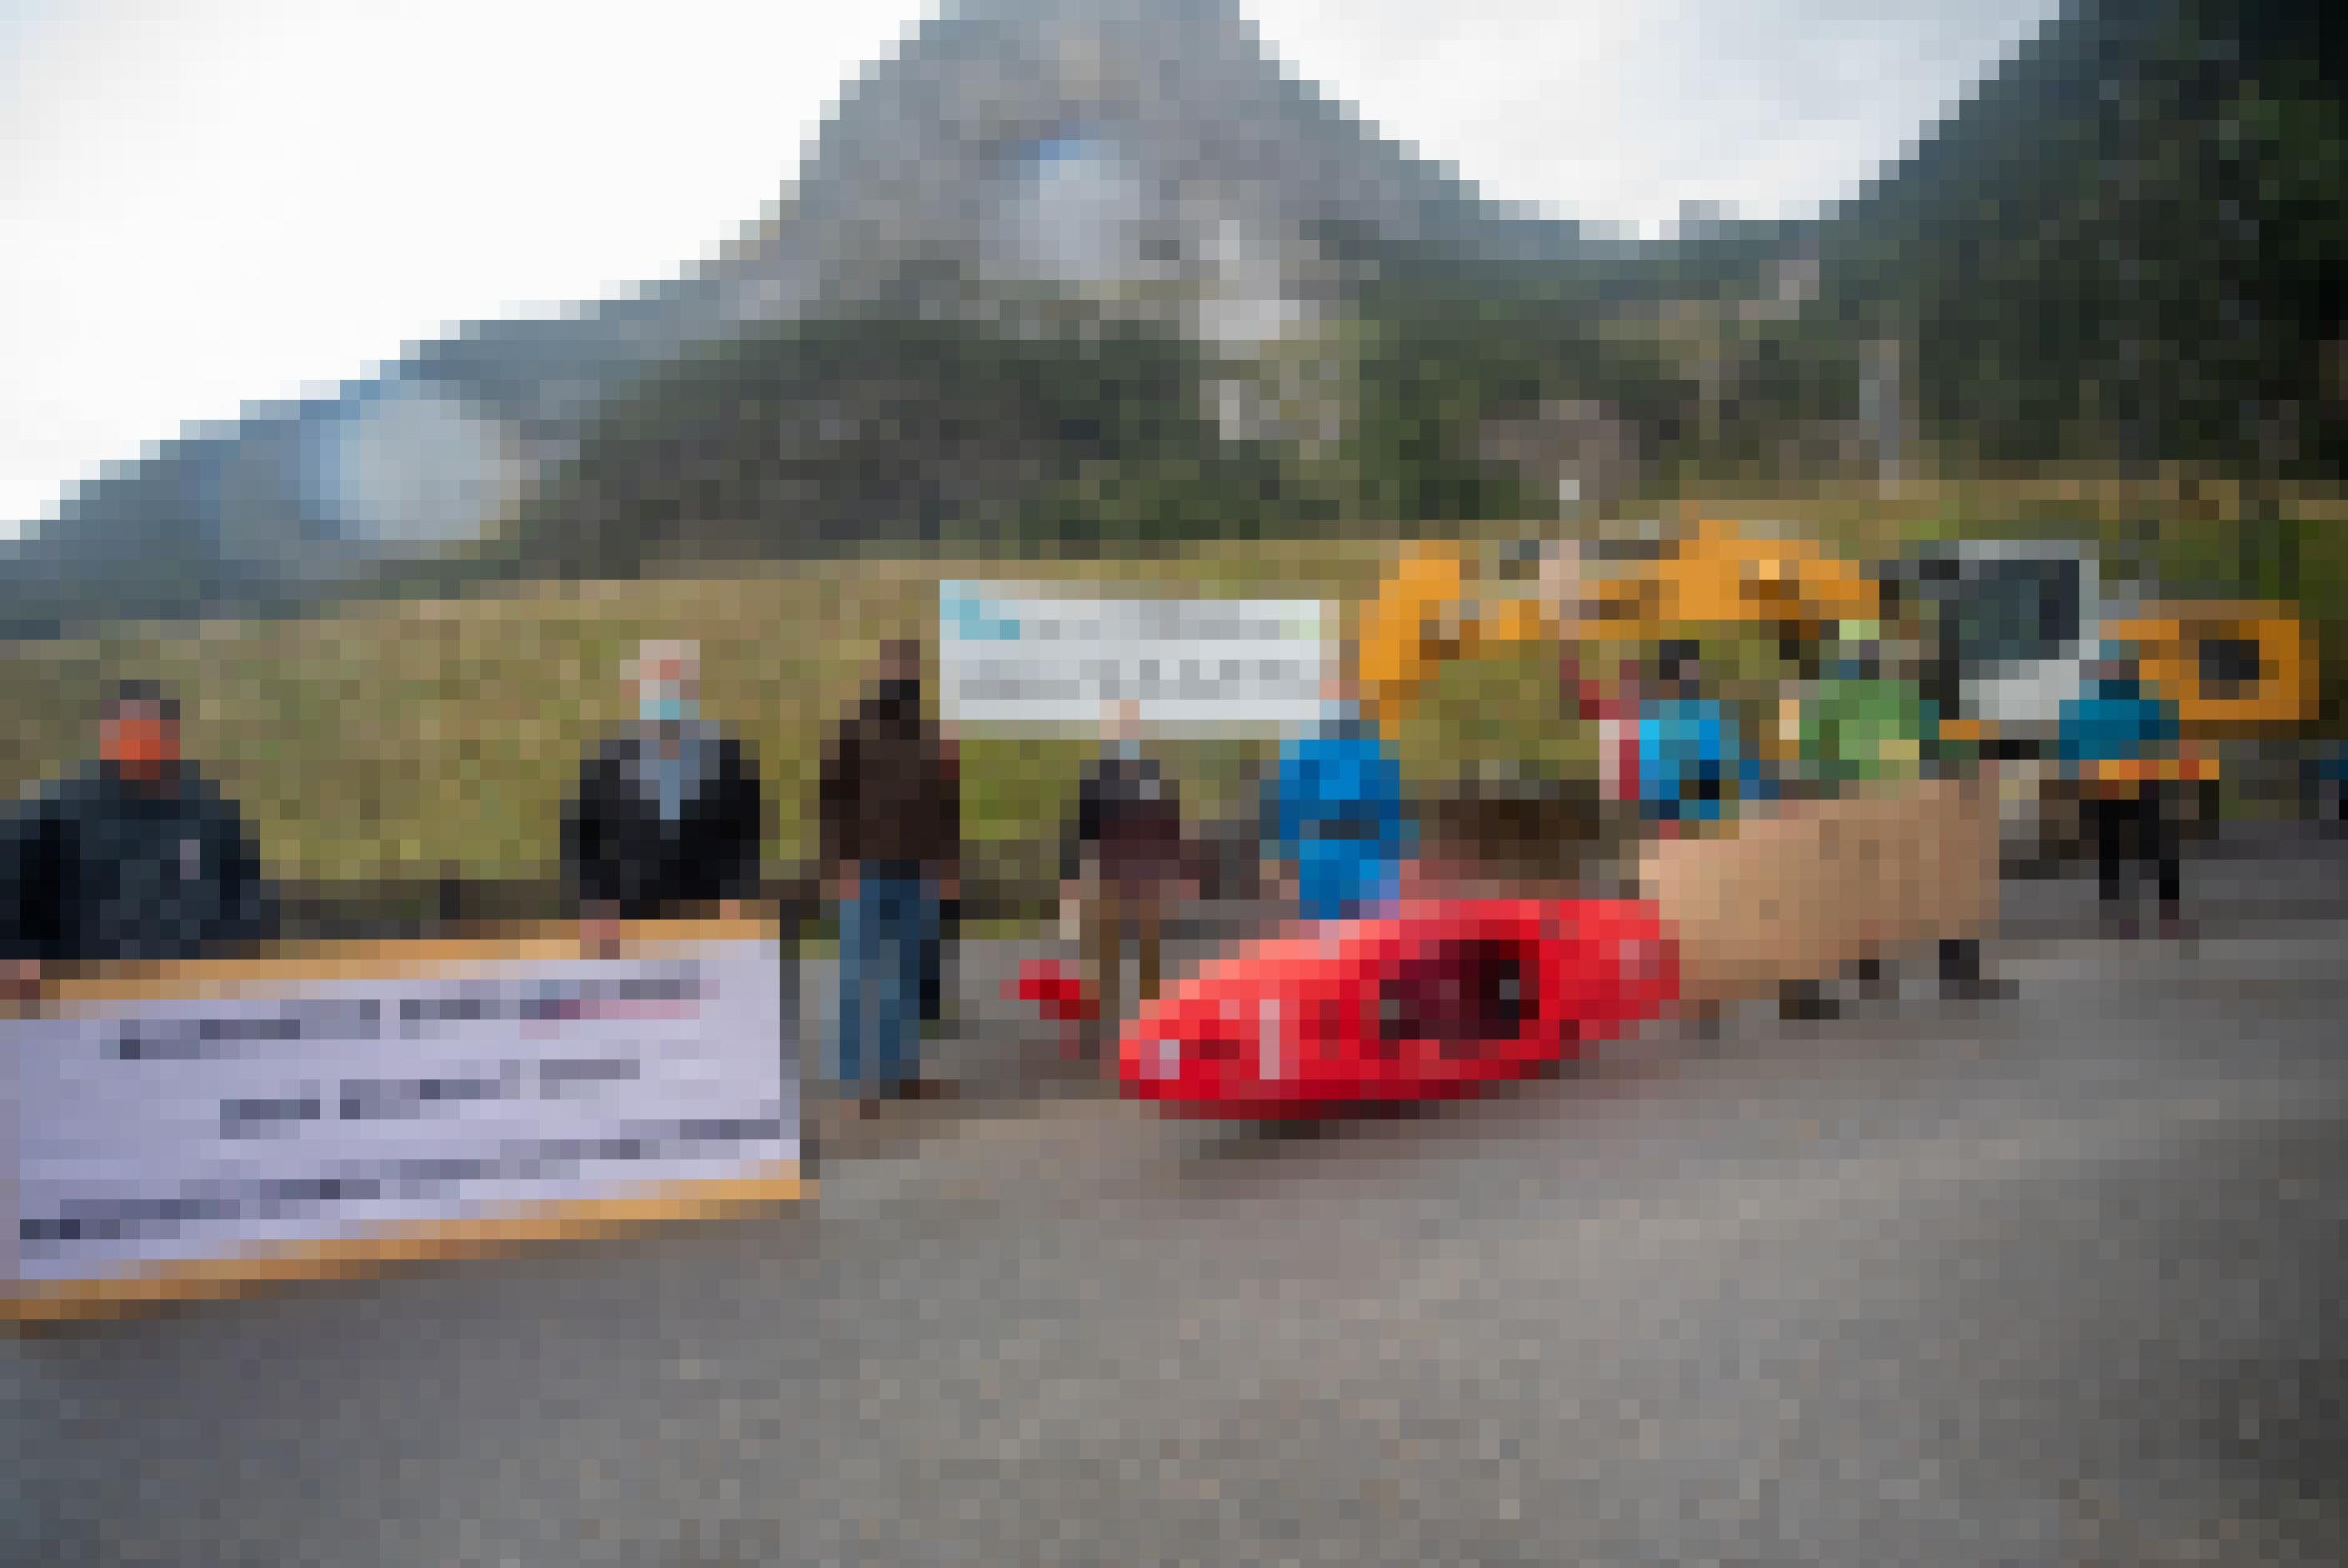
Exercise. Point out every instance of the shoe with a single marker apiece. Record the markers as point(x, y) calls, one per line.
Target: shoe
point(1806, 1002)
point(924, 1089)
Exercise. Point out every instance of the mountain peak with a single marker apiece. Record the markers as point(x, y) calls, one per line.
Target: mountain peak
point(1146, 155)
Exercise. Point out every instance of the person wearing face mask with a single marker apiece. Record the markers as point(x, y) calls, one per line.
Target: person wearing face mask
point(1127, 832)
point(136, 856)
point(888, 808)
point(1337, 828)
point(669, 813)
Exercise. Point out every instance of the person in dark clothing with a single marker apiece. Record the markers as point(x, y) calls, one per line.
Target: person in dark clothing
point(669, 813)
point(890, 809)
point(2327, 774)
point(1129, 825)
point(2135, 821)
point(136, 856)
point(933, 961)
point(2111, 740)
point(948, 923)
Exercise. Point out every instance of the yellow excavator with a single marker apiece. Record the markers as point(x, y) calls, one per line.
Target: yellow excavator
point(2235, 669)
point(1430, 609)
point(2016, 625)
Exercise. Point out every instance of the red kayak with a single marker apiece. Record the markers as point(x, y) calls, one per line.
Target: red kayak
point(1431, 1002)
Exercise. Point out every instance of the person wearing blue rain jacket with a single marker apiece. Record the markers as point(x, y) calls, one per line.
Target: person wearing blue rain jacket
point(1335, 814)
point(2117, 720)
point(1690, 763)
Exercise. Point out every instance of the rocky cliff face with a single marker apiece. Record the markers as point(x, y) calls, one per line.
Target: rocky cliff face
point(1141, 160)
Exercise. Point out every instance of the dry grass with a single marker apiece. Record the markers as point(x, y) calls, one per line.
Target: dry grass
point(389, 740)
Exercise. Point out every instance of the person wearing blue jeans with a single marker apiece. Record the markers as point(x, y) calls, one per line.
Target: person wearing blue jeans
point(887, 927)
point(891, 816)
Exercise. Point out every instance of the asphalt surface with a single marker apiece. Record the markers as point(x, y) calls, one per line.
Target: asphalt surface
point(2057, 1278)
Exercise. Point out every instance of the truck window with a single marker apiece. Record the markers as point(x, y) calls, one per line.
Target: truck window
point(2010, 612)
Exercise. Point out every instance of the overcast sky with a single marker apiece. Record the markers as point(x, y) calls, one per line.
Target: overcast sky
point(203, 206)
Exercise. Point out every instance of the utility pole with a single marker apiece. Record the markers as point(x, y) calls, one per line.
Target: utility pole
point(1881, 404)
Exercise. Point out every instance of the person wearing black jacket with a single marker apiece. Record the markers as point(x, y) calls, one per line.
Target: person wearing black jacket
point(1129, 825)
point(669, 813)
point(136, 856)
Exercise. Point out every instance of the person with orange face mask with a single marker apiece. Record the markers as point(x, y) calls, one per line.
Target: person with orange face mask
point(136, 856)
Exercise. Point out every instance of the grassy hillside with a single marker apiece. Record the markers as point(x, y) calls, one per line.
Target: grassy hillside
point(392, 740)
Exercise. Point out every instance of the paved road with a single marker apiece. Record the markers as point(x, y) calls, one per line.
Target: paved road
point(2054, 1280)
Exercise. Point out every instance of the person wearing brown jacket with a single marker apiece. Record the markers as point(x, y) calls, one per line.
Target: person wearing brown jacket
point(890, 808)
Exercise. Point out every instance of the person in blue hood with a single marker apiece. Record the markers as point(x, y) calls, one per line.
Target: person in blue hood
point(2117, 720)
point(1691, 765)
point(1335, 817)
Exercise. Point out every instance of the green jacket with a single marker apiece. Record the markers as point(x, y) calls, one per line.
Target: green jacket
point(1856, 730)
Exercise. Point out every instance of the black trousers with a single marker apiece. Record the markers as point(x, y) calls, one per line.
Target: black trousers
point(2138, 822)
point(933, 959)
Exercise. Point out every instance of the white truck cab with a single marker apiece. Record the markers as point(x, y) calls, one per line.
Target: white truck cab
point(2017, 622)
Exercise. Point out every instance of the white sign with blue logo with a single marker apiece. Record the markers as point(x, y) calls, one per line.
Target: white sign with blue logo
point(1017, 654)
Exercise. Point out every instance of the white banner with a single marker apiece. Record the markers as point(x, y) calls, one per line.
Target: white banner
point(1016, 654)
point(317, 1109)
